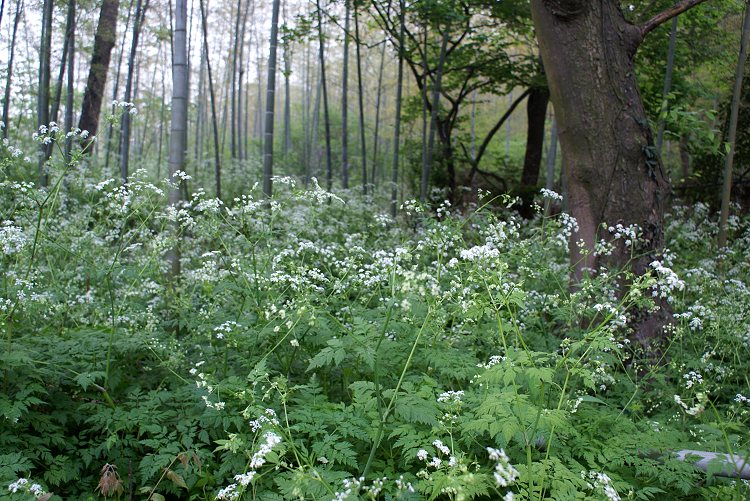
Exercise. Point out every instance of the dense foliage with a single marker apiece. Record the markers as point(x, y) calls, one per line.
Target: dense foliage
point(314, 348)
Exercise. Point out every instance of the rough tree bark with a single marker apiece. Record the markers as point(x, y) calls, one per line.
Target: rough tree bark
point(609, 161)
point(104, 41)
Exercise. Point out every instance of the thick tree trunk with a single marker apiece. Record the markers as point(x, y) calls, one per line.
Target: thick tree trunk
point(536, 113)
point(104, 41)
point(613, 174)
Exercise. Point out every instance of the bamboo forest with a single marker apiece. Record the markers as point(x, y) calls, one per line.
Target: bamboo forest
point(374, 250)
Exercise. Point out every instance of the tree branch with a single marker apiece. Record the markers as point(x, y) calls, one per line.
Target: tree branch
point(668, 14)
point(496, 127)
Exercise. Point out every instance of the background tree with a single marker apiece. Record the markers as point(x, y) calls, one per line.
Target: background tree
point(43, 92)
point(104, 41)
point(178, 132)
point(270, 101)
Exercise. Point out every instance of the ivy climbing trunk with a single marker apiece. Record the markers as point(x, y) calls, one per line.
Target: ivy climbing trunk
point(609, 161)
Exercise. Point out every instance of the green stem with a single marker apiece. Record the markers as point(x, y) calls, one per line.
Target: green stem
point(384, 417)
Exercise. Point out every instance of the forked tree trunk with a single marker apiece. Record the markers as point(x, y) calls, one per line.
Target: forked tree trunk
point(612, 171)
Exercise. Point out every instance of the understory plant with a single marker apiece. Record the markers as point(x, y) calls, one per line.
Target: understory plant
point(315, 348)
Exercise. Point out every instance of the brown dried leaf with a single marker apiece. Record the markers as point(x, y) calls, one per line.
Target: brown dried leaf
point(177, 479)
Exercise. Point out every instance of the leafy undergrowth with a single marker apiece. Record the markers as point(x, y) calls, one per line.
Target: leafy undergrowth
point(314, 348)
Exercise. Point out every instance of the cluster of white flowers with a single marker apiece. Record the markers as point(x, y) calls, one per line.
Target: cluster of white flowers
point(692, 378)
point(46, 133)
point(741, 399)
point(628, 234)
point(568, 227)
point(268, 418)
point(125, 106)
point(225, 329)
point(83, 134)
point(412, 207)
point(182, 175)
point(436, 461)
point(258, 459)
point(12, 238)
point(24, 485)
point(451, 396)
point(667, 281)
point(14, 152)
point(480, 253)
point(505, 474)
point(493, 361)
point(601, 482)
point(550, 195)
point(383, 220)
